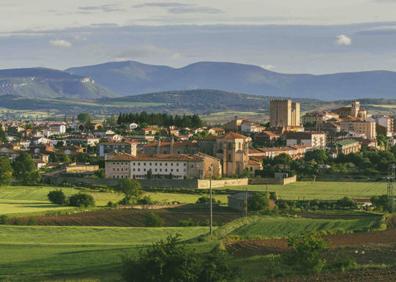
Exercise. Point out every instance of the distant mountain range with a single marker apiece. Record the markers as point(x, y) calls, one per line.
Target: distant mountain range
point(48, 83)
point(130, 78)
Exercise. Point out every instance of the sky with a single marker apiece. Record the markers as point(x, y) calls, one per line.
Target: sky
point(292, 36)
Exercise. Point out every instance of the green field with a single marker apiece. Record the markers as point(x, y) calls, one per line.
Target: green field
point(71, 235)
point(33, 199)
point(47, 253)
point(282, 227)
point(321, 190)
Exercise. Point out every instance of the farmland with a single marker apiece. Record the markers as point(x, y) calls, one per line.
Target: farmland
point(62, 243)
point(281, 227)
point(25, 199)
point(321, 190)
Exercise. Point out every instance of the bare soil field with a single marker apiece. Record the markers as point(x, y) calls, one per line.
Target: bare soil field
point(136, 217)
point(353, 241)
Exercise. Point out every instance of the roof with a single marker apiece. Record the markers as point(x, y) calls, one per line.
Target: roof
point(302, 135)
point(346, 142)
point(233, 136)
point(154, 157)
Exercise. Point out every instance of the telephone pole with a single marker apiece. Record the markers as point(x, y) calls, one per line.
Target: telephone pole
point(210, 201)
point(390, 186)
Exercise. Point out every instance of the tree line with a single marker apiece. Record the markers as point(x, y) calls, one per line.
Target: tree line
point(161, 119)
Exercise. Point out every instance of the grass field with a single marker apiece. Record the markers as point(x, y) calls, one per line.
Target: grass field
point(51, 253)
point(321, 190)
point(71, 235)
point(33, 199)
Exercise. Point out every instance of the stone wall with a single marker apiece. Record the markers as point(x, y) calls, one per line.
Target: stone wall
point(278, 181)
point(147, 183)
point(204, 183)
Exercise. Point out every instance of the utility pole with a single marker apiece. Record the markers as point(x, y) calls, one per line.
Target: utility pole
point(210, 201)
point(246, 202)
point(390, 187)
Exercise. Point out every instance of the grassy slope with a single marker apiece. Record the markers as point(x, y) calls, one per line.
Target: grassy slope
point(34, 253)
point(322, 190)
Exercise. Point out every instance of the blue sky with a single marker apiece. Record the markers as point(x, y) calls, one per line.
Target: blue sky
point(296, 36)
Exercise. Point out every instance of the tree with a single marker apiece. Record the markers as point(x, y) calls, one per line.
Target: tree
point(170, 260)
point(130, 188)
point(5, 171)
point(319, 156)
point(82, 200)
point(85, 119)
point(258, 202)
point(383, 202)
point(57, 197)
point(25, 169)
point(307, 253)
point(152, 220)
point(3, 136)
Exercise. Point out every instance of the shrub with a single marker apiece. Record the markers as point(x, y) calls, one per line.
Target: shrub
point(170, 260)
point(187, 222)
point(152, 220)
point(258, 202)
point(57, 197)
point(82, 200)
point(343, 264)
point(306, 254)
point(4, 219)
point(110, 204)
point(146, 200)
point(205, 200)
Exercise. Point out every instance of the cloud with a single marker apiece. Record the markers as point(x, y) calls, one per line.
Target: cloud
point(61, 43)
point(343, 40)
point(385, 1)
point(108, 8)
point(268, 67)
point(180, 8)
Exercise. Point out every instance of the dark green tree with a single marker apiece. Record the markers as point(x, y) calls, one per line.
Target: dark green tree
point(57, 197)
point(307, 254)
point(5, 171)
point(25, 169)
point(82, 200)
point(258, 202)
point(131, 189)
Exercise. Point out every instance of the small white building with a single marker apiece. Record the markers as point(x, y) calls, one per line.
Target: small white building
point(315, 140)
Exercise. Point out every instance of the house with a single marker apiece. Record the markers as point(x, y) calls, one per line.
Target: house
point(172, 166)
point(249, 127)
point(316, 140)
point(366, 129)
point(216, 131)
point(106, 148)
point(347, 146)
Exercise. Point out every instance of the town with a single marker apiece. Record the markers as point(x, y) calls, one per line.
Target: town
point(157, 170)
point(161, 146)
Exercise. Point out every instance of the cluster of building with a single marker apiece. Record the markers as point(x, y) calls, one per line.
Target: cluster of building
point(237, 148)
